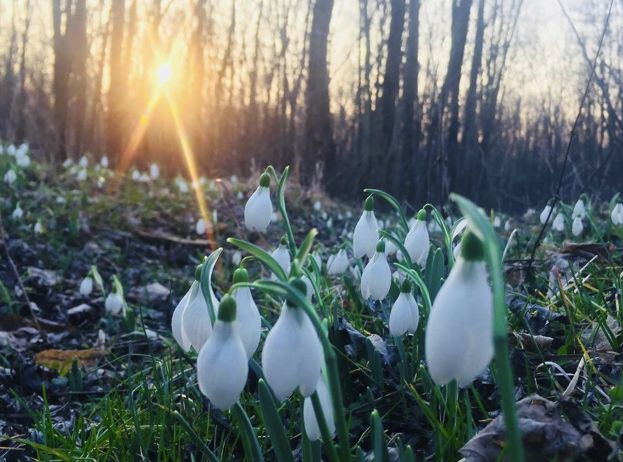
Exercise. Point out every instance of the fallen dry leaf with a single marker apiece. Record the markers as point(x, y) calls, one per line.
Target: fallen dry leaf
point(61, 360)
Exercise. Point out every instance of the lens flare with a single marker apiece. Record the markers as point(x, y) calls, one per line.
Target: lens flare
point(164, 72)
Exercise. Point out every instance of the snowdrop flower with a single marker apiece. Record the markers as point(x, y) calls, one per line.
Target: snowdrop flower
point(136, 175)
point(292, 356)
point(377, 277)
point(181, 184)
point(200, 227)
point(10, 177)
point(11, 150)
point(249, 320)
point(259, 209)
point(617, 215)
point(114, 303)
point(282, 255)
point(330, 223)
point(38, 228)
point(459, 334)
point(312, 428)
point(176, 319)
point(86, 286)
point(233, 179)
point(390, 248)
point(497, 222)
point(23, 160)
point(317, 259)
point(317, 206)
point(405, 314)
point(82, 174)
point(222, 364)
point(545, 214)
point(578, 227)
point(67, 163)
point(507, 226)
point(338, 263)
point(417, 241)
point(196, 324)
point(579, 210)
point(355, 271)
point(18, 213)
point(366, 233)
point(309, 287)
point(236, 258)
point(83, 162)
point(104, 161)
point(559, 222)
point(154, 171)
point(239, 195)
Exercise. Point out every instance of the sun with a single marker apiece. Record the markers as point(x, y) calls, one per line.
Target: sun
point(164, 73)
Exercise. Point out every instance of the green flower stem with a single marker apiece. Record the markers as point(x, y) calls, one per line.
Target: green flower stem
point(281, 205)
point(447, 237)
point(482, 227)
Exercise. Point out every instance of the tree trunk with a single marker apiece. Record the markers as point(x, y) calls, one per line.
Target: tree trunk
point(115, 116)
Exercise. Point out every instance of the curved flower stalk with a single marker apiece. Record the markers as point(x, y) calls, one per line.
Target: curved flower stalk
point(259, 209)
point(282, 256)
point(559, 223)
point(405, 314)
point(248, 316)
point(337, 263)
point(547, 211)
point(292, 356)
point(579, 210)
point(222, 364)
point(617, 215)
point(459, 342)
point(578, 227)
point(417, 241)
point(312, 428)
point(366, 233)
point(376, 278)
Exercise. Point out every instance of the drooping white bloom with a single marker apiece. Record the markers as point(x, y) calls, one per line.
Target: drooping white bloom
point(459, 334)
point(10, 177)
point(579, 210)
point(338, 263)
point(11, 150)
point(86, 286)
point(82, 174)
point(312, 428)
point(292, 356)
point(68, 163)
point(222, 364)
point(282, 256)
point(258, 210)
point(176, 319)
point(104, 161)
point(390, 248)
point(417, 241)
point(617, 215)
point(497, 222)
point(317, 206)
point(114, 303)
point(366, 233)
point(23, 160)
point(577, 227)
point(38, 228)
point(236, 258)
point(83, 162)
point(196, 322)
point(154, 171)
point(18, 213)
point(136, 175)
point(249, 319)
point(405, 314)
point(507, 225)
point(376, 278)
point(200, 227)
point(559, 222)
point(545, 214)
point(181, 184)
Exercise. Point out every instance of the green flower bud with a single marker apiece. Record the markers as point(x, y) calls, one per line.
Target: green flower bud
point(241, 275)
point(406, 287)
point(421, 215)
point(368, 205)
point(472, 248)
point(380, 246)
point(227, 309)
point(265, 180)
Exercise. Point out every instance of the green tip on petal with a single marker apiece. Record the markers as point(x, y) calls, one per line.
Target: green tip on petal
point(472, 248)
point(406, 287)
point(265, 180)
point(241, 275)
point(421, 215)
point(198, 272)
point(368, 205)
point(380, 246)
point(227, 309)
point(299, 285)
point(283, 241)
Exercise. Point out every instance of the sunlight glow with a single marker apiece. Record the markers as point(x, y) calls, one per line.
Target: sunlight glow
point(164, 72)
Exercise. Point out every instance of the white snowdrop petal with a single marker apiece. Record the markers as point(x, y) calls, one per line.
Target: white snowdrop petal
point(559, 222)
point(415, 313)
point(222, 366)
point(312, 357)
point(400, 317)
point(113, 303)
point(312, 428)
point(577, 226)
point(249, 320)
point(417, 243)
point(366, 235)
point(196, 322)
point(176, 319)
point(86, 286)
point(376, 278)
point(545, 213)
point(282, 256)
point(258, 210)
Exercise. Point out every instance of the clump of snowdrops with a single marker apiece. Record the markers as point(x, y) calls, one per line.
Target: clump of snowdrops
point(463, 327)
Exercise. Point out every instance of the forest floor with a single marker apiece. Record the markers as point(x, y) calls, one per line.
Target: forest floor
point(77, 382)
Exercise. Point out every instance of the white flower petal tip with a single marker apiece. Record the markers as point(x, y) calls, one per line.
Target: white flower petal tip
point(417, 241)
point(366, 233)
point(459, 334)
point(113, 303)
point(405, 314)
point(547, 210)
point(86, 286)
point(292, 356)
point(338, 263)
point(312, 428)
point(282, 255)
point(258, 210)
point(222, 364)
point(196, 322)
point(578, 227)
point(559, 223)
point(248, 315)
point(376, 278)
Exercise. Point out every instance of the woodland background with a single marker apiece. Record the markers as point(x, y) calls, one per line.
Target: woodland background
point(417, 97)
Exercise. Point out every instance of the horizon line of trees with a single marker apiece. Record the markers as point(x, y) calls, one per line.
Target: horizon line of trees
point(254, 82)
